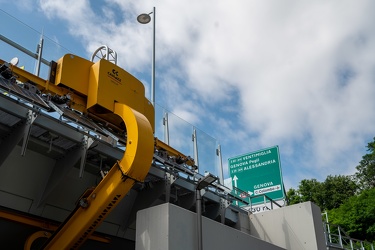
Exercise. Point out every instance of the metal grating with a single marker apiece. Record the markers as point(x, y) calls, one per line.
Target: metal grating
point(82, 120)
point(52, 138)
point(8, 86)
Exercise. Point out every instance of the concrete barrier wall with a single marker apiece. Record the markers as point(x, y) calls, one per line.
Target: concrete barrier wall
point(293, 227)
point(169, 227)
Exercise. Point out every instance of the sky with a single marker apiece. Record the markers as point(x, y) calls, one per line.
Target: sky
point(251, 74)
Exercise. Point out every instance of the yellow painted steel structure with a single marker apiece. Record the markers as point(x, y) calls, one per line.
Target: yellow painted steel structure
point(37, 235)
point(72, 72)
point(92, 88)
point(133, 167)
point(76, 102)
point(159, 145)
point(46, 225)
point(119, 98)
point(103, 84)
point(110, 94)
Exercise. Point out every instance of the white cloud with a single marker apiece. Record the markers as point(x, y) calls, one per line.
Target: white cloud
point(302, 71)
point(23, 5)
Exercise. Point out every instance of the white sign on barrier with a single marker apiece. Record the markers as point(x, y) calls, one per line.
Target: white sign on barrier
point(264, 207)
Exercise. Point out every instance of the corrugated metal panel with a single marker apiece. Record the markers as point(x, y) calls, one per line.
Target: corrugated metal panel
point(7, 119)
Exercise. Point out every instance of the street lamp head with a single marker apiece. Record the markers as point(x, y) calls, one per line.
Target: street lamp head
point(144, 18)
point(206, 181)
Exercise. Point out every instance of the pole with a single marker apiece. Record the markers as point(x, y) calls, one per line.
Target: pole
point(166, 128)
point(39, 54)
point(199, 218)
point(195, 147)
point(221, 172)
point(153, 61)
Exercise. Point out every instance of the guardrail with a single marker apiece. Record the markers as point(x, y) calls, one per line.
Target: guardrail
point(337, 238)
point(245, 198)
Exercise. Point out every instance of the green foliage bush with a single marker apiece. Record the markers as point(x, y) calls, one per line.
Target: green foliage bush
point(349, 200)
point(357, 216)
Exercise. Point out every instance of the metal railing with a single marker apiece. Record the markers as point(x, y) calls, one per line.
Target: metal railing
point(245, 200)
point(337, 238)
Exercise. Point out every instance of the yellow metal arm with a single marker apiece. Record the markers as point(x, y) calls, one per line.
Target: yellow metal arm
point(159, 145)
point(77, 102)
point(133, 167)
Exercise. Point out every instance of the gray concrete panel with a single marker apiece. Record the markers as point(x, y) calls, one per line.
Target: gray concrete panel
point(169, 227)
point(296, 227)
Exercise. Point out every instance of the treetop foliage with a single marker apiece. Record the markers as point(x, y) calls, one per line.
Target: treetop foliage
point(357, 215)
point(327, 195)
point(349, 200)
point(366, 168)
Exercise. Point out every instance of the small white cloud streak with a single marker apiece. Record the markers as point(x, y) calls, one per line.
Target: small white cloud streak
point(282, 58)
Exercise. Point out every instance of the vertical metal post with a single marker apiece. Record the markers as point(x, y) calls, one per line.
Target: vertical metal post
point(195, 146)
point(328, 228)
point(86, 144)
point(169, 180)
point(340, 239)
point(153, 60)
point(31, 116)
point(199, 218)
point(166, 128)
point(221, 172)
point(223, 207)
point(39, 51)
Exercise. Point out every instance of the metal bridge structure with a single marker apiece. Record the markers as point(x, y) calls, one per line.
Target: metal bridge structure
point(52, 156)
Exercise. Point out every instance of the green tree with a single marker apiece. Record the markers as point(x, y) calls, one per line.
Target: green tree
point(327, 195)
point(357, 216)
point(293, 196)
point(311, 190)
point(366, 168)
point(336, 190)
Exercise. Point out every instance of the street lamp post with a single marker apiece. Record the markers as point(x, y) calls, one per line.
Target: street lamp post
point(144, 19)
point(202, 183)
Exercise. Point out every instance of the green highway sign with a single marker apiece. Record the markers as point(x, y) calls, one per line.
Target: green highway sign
point(257, 173)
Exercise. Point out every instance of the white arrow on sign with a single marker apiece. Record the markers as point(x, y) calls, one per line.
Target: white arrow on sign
point(235, 179)
point(250, 193)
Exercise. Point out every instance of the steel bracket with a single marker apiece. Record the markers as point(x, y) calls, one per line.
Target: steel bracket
point(169, 180)
point(31, 116)
point(86, 144)
point(224, 204)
